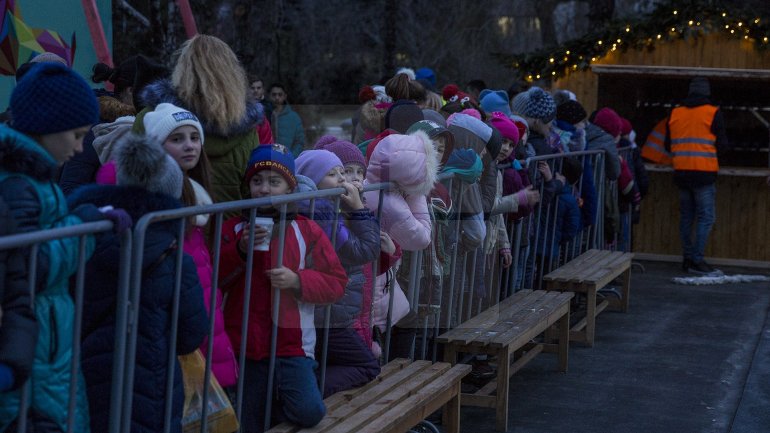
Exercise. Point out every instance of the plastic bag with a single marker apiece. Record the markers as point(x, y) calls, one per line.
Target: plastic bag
point(220, 414)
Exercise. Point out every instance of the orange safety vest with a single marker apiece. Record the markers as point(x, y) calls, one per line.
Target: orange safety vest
point(654, 148)
point(693, 145)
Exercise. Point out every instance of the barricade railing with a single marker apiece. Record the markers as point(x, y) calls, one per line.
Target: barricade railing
point(73, 240)
point(469, 279)
point(533, 238)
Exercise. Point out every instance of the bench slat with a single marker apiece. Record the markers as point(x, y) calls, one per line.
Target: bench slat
point(334, 401)
point(420, 405)
point(487, 318)
point(374, 408)
point(513, 317)
point(569, 269)
point(606, 272)
point(341, 413)
point(546, 313)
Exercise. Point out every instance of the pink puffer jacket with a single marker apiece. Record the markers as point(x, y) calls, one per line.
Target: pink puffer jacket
point(224, 366)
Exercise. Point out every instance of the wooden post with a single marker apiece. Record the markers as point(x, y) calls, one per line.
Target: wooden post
point(503, 381)
point(96, 29)
point(187, 18)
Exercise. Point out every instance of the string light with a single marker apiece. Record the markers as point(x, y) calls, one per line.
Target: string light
point(677, 28)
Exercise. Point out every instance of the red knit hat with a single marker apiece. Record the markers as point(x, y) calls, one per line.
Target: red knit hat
point(609, 121)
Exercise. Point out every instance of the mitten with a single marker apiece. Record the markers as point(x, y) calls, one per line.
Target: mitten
point(121, 220)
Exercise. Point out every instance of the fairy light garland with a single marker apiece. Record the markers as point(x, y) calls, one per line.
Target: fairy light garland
point(692, 20)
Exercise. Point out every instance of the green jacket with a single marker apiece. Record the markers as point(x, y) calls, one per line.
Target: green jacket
point(227, 151)
point(36, 202)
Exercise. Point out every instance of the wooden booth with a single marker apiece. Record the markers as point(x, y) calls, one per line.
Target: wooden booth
point(644, 85)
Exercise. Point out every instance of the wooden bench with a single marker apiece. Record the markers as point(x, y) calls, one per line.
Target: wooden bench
point(404, 394)
point(588, 273)
point(507, 330)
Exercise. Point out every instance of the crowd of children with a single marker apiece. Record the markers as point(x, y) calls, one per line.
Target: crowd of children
point(191, 136)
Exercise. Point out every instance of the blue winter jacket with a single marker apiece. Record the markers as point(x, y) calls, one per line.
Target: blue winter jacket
point(563, 227)
point(35, 202)
point(155, 309)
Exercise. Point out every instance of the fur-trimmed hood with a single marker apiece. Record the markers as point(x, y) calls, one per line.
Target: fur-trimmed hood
point(21, 154)
point(410, 161)
point(163, 91)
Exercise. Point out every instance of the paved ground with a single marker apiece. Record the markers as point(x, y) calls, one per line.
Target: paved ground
point(683, 359)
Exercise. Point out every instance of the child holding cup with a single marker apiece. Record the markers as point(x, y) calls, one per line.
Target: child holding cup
point(310, 274)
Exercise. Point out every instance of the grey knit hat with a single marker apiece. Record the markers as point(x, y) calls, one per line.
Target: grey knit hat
point(519, 103)
point(540, 105)
point(142, 162)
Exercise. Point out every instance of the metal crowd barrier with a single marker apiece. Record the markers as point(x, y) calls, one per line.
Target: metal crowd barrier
point(459, 299)
point(31, 243)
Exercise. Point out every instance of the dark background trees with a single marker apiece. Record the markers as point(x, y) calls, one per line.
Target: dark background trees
point(325, 50)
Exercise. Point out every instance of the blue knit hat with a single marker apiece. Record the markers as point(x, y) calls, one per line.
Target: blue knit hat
point(495, 100)
point(271, 157)
point(540, 106)
point(426, 74)
point(52, 98)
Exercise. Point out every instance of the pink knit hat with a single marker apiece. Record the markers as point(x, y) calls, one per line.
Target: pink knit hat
point(505, 125)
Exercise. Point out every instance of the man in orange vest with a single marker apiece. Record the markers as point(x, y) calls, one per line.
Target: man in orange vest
point(695, 133)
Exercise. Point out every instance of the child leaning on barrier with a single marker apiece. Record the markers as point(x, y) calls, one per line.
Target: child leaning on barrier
point(309, 274)
point(350, 362)
point(148, 180)
point(53, 109)
point(181, 134)
point(564, 222)
point(411, 163)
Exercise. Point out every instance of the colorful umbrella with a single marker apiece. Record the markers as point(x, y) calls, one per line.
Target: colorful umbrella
point(19, 43)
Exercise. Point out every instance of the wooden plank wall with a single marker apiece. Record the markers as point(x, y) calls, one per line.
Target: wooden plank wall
point(742, 229)
point(709, 51)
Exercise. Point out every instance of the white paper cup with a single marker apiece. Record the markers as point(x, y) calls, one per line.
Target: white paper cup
point(268, 224)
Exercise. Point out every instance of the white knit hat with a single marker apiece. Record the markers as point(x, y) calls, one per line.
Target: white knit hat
point(162, 121)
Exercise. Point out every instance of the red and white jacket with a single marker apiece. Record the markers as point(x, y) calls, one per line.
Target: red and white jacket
point(307, 252)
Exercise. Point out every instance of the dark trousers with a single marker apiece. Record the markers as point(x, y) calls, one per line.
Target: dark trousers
point(349, 363)
point(296, 397)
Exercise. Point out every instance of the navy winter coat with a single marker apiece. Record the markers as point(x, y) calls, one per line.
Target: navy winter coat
point(154, 315)
point(357, 244)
